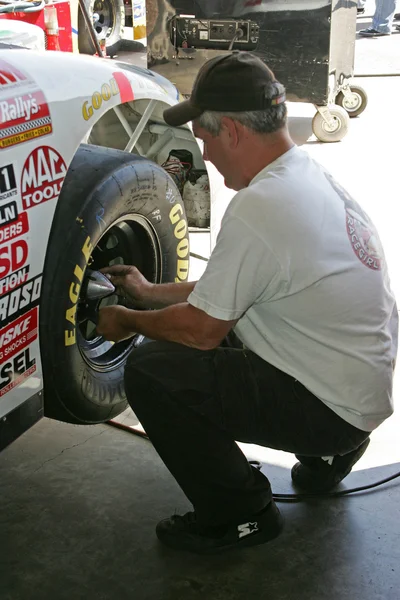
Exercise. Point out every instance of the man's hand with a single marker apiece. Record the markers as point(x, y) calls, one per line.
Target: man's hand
point(129, 283)
point(113, 323)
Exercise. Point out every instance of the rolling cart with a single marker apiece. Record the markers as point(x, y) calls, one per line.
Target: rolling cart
point(309, 44)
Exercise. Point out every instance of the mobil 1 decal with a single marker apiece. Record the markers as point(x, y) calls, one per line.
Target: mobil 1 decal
point(15, 354)
point(8, 186)
point(24, 112)
point(42, 176)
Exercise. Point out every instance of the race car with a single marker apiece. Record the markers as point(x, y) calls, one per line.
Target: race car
point(90, 176)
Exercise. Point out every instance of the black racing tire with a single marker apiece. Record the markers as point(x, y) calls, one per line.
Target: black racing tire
point(113, 204)
point(109, 26)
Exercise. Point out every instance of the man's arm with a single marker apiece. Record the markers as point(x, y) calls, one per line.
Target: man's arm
point(142, 293)
point(181, 323)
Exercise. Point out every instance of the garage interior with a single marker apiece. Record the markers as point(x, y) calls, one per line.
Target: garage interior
point(79, 504)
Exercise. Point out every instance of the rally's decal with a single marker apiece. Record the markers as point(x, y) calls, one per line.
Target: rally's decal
point(182, 250)
point(42, 176)
point(8, 185)
point(19, 334)
point(16, 370)
point(17, 302)
point(24, 117)
point(73, 293)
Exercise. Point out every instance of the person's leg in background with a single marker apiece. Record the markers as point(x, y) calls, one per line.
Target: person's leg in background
point(382, 20)
point(195, 404)
point(361, 6)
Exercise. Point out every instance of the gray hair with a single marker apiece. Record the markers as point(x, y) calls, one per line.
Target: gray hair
point(259, 121)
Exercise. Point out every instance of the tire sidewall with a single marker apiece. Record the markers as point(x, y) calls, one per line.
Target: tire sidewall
point(144, 189)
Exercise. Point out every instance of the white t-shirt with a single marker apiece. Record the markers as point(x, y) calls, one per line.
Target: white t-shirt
point(301, 265)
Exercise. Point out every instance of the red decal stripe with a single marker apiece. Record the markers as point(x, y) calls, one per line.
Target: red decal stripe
point(125, 88)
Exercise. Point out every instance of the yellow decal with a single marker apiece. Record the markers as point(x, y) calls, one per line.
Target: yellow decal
point(108, 90)
point(182, 249)
point(73, 294)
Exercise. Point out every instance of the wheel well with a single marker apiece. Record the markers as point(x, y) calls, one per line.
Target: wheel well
point(139, 127)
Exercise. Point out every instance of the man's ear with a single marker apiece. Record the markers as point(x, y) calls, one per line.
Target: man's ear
point(230, 129)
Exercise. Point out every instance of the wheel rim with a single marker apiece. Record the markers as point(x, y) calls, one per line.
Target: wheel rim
point(352, 103)
point(130, 240)
point(105, 20)
point(332, 128)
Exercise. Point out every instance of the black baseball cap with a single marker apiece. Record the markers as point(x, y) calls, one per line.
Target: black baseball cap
point(232, 82)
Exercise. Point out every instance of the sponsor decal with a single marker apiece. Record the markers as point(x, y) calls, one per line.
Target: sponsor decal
point(14, 280)
point(18, 334)
point(42, 176)
point(13, 256)
point(8, 213)
point(182, 249)
point(10, 77)
point(73, 294)
point(16, 370)
point(8, 186)
point(124, 86)
point(119, 84)
point(107, 91)
point(18, 301)
point(14, 229)
point(24, 117)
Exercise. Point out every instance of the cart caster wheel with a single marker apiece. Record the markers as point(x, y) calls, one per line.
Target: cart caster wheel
point(331, 132)
point(355, 102)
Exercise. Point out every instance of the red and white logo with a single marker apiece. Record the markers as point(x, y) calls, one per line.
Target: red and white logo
point(24, 117)
point(12, 230)
point(13, 257)
point(10, 76)
point(18, 334)
point(42, 176)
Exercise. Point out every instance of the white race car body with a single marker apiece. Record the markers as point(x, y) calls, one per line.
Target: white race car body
point(48, 105)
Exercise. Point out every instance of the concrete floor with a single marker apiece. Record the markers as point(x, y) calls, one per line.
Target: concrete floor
point(78, 505)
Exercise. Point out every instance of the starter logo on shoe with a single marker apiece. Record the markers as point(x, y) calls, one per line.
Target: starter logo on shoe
point(23, 118)
point(42, 176)
point(247, 529)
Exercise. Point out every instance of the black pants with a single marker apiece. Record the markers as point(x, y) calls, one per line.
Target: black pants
point(194, 405)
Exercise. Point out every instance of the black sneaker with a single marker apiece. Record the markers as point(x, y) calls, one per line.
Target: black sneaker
point(371, 32)
point(184, 533)
point(317, 475)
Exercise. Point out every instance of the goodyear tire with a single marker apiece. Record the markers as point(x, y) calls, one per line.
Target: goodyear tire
point(114, 207)
point(109, 25)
